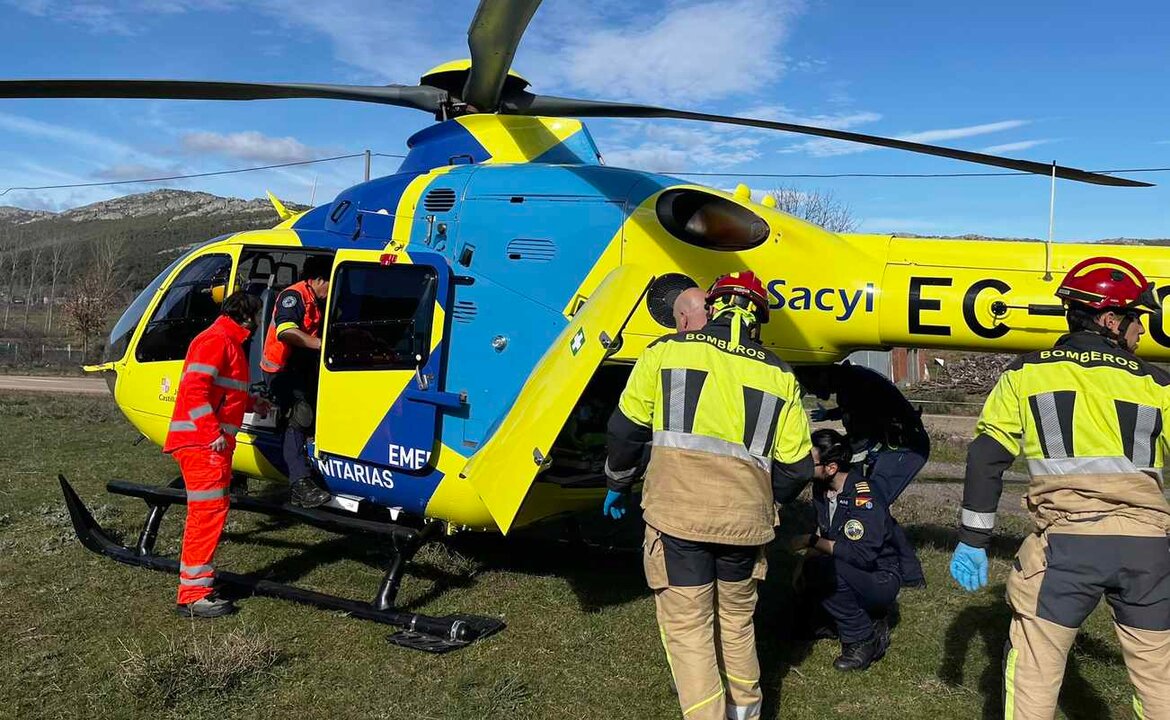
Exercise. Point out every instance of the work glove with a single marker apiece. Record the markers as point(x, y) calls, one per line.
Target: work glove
point(615, 505)
point(819, 413)
point(969, 567)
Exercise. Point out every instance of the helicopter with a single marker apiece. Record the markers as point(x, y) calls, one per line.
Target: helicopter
point(489, 298)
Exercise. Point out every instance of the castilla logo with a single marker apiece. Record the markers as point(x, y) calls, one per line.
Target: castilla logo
point(164, 390)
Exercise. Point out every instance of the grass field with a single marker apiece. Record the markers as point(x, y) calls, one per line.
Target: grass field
point(84, 637)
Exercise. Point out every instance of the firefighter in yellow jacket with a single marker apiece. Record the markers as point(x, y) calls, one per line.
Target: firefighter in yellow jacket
point(1090, 419)
point(727, 439)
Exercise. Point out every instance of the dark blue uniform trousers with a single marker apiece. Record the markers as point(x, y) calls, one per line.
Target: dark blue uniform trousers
point(891, 474)
point(853, 597)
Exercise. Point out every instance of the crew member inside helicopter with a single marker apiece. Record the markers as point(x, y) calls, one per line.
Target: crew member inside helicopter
point(292, 350)
point(728, 438)
point(888, 441)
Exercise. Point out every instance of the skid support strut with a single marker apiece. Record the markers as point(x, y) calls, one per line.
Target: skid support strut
point(417, 631)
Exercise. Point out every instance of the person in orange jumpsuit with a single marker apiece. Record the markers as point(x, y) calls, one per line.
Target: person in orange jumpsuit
point(209, 407)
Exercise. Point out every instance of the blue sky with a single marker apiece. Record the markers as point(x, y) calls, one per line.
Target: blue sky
point(1074, 80)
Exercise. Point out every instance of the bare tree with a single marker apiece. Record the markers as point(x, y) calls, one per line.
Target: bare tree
point(87, 305)
point(819, 207)
point(109, 254)
point(14, 259)
point(32, 283)
point(61, 262)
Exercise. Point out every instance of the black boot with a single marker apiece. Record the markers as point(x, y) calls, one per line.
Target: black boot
point(860, 655)
point(307, 494)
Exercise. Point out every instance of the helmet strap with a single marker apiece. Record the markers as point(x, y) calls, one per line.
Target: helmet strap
point(1122, 329)
point(740, 317)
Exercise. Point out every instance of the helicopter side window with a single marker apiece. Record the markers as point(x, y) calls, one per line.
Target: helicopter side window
point(190, 305)
point(380, 317)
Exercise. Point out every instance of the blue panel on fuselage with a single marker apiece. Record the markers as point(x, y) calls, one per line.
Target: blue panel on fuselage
point(447, 143)
point(492, 377)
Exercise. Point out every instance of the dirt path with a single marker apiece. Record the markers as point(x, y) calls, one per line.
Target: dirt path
point(74, 385)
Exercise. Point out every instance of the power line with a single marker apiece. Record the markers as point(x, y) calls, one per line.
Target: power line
point(195, 175)
point(895, 175)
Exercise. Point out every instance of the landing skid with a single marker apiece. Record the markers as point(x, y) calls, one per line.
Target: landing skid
point(418, 632)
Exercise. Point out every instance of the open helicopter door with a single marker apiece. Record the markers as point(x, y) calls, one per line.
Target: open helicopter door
point(504, 469)
point(381, 384)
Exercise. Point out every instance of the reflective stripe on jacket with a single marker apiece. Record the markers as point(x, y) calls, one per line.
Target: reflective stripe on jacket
point(276, 351)
point(213, 391)
point(1089, 418)
point(720, 421)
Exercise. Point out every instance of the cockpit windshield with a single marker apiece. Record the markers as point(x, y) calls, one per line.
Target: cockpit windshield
point(123, 330)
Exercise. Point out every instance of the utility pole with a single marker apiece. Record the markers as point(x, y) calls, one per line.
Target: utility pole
point(367, 165)
point(1051, 227)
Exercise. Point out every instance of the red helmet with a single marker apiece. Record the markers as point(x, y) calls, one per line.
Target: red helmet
point(742, 284)
point(1105, 283)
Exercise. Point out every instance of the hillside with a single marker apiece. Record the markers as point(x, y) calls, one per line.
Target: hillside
point(150, 226)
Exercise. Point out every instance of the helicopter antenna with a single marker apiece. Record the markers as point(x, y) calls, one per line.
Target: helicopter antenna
point(1051, 226)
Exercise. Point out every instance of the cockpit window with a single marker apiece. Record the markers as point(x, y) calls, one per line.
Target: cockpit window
point(189, 307)
point(710, 221)
point(124, 329)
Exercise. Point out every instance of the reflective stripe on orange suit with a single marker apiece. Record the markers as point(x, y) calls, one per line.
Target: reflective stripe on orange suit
point(276, 351)
point(207, 475)
point(213, 390)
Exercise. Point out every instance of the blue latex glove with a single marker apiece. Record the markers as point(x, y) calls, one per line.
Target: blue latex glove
point(615, 505)
point(818, 413)
point(969, 567)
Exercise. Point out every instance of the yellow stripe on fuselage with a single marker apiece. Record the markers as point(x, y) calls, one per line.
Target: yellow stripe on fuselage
point(516, 139)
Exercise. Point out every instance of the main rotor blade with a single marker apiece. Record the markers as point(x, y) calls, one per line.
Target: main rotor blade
point(493, 36)
point(525, 103)
point(420, 97)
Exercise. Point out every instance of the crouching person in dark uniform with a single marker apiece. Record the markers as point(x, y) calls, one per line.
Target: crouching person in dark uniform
point(852, 565)
point(890, 445)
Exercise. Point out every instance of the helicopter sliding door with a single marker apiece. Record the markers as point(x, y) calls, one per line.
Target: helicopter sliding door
point(382, 374)
point(504, 469)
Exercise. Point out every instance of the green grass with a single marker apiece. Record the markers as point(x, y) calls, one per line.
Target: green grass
point(84, 637)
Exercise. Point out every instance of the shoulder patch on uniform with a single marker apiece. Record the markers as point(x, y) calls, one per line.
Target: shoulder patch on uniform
point(289, 301)
point(854, 530)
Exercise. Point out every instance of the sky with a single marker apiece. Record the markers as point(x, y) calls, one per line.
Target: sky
point(1074, 81)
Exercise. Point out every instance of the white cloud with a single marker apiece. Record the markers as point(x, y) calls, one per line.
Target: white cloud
point(60, 134)
point(135, 171)
point(693, 53)
point(934, 136)
point(1013, 146)
point(249, 145)
point(112, 17)
point(827, 148)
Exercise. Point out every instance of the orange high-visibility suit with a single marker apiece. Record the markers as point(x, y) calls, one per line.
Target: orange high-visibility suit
point(211, 402)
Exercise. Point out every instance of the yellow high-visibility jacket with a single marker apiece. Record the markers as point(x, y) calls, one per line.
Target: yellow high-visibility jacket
point(727, 434)
point(1089, 418)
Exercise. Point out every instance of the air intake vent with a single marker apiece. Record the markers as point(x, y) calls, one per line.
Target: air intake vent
point(465, 311)
point(439, 200)
point(528, 250)
point(661, 296)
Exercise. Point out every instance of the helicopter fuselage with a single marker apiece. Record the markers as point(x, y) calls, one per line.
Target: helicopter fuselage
point(481, 291)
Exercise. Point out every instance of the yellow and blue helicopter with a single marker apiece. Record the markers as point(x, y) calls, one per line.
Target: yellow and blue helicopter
point(488, 300)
